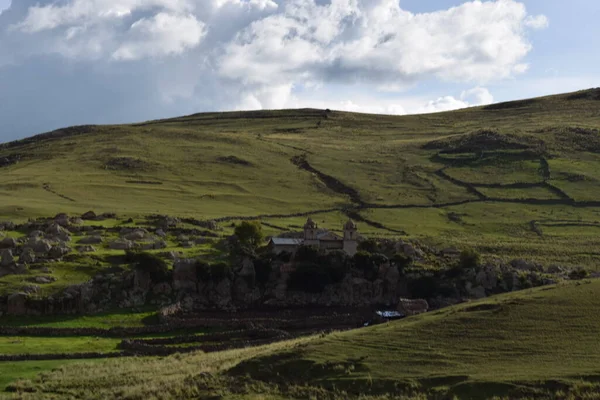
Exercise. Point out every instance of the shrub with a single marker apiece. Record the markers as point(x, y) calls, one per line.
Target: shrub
point(424, 287)
point(249, 233)
point(307, 254)
point(309, 277)
point(402, 261)
point(578, 274)
point(369, 263)
point(157, 268)
point(202, 271)
point(469, 258)
point(369, 246)
point(212, 273)
point(336, 264)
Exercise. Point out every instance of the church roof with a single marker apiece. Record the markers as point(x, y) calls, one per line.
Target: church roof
point(328, 236)
point(287, 241)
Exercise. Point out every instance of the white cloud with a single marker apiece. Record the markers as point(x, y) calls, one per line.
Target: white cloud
point(477, 96)
point(195, 55)
point(163, 34)
point(537, 22)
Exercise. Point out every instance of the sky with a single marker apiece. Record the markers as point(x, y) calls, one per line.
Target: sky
point(70, 62)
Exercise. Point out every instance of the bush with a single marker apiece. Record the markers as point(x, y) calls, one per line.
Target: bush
point(336, 264)
point(249, 233)
point(307, 254)
point(156, 267)
point(469, 258)
point(212, 273)
point(309, 277)
point(424, 287)
point(578, 274)
point(402, 261)
point(369, 263)
point(369, 246)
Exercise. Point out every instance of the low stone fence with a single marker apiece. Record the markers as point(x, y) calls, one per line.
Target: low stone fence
point(61, 356)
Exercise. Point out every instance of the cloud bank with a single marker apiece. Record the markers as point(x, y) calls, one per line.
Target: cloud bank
point(76, 61)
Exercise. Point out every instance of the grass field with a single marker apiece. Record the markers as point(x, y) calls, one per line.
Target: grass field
point(540, 343)
point(240, 164)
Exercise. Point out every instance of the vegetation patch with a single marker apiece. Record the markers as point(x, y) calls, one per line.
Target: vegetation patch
point(235, 161)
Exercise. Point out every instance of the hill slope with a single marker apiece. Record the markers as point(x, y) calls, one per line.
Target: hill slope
point(535, 344)
point(501, 177)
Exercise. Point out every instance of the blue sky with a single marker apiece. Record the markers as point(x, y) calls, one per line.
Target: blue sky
point(66, 62)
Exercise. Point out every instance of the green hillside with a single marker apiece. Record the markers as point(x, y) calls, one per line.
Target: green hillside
point(512, 179)
point(541, 344)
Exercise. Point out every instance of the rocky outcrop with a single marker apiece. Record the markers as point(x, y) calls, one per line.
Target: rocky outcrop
point(412, 306)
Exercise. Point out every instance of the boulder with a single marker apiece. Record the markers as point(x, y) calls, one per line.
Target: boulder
point(90, 215)
point(137, 234)
point(121, 244)
point(58, 232)
point(76, 221)
point(86, 249)
point(27, 256)
point(40, 246)
point(16, 304)
point(59, 251)
point(8, 243)
point(43, 280)
point(160, 233)
point(160, 244)
point(62, 219)
point(412, 306)
point(6, 258)
point(7, 225)
point(90, 240)
point(36, 234)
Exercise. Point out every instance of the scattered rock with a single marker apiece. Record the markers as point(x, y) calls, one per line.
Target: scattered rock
point(86, 249)
point(121, 244)
point(90, 215)
point(40, 246)
point(160, 233)
point(137, 234)
point(59, 251)
point(27, 256)
point(62, 219)
point(43, 280)
point(8, 243)
point(36, 234)
point(6, 258)
point(90, 240)
point(7, 225)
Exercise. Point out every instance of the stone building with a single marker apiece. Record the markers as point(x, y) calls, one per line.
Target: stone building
point(319, 238)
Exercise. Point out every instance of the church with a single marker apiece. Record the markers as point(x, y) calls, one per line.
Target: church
point(319, 238)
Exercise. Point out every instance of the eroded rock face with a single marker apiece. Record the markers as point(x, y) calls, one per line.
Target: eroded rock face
point(16, 304)
point(185, 275)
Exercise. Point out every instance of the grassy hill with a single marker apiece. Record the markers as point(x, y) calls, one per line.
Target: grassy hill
point(513, 179)
point(540, 344)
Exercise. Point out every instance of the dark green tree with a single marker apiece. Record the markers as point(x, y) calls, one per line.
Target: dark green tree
point(249, 233)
